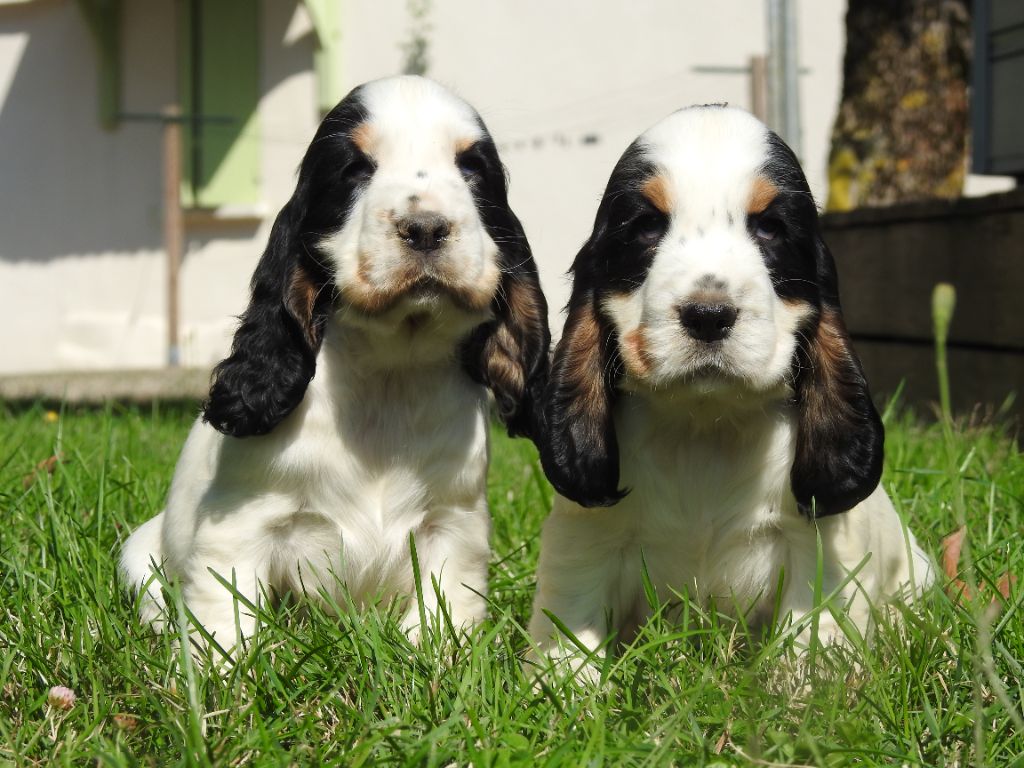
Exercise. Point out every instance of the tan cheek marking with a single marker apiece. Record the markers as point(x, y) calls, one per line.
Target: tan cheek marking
point(302, 292)
point(585, 369)
point(657, 192)
point(800, 308)
point(523, 303)
point(634, 352)
point(830, 358)
point(761, 195)
point(832, 342)
point(475, 296)
point(501, 355)
point(364, 137)
point(505, 351)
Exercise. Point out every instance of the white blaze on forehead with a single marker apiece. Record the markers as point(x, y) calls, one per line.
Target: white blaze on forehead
point(709, 157)
point(415, 120)
point(709, 163)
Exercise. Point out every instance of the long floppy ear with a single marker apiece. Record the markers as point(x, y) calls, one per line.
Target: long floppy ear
point(840, 437)
point(509, 354)
point(579, 450)
point(273, 355)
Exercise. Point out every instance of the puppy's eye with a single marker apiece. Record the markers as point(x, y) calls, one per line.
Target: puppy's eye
point(359, 169)
point(647, 229)
point(471, 165)
point(765, 227)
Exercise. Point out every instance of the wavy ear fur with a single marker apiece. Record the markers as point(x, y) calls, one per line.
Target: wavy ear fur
point(580, 452)
point(273, 355)
point(509, 354)
point(840, 436)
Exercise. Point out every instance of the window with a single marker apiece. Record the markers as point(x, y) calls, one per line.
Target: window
point(220, 93)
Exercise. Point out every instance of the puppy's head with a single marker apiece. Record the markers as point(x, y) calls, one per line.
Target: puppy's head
point(706, 276)
point(399, 226)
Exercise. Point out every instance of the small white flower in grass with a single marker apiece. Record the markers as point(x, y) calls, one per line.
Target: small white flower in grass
point(60, 697)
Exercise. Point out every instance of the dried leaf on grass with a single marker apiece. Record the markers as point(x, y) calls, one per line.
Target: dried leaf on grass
point(957, 589)
point(46, 465)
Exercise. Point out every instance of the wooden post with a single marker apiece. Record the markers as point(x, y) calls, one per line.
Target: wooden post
point(173, 229)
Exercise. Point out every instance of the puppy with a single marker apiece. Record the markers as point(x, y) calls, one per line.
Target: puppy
point(396, 292)
point(707, 417)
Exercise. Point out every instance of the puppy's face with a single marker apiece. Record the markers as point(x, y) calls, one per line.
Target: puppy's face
point(413, 242)
point(399, 226)
point(708, 268)
point(706, 276)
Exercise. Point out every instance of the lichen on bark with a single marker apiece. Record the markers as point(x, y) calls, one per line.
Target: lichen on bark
point(901, 130)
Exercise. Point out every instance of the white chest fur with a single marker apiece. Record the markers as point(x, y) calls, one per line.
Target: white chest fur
point(710, 514)
point(708, 497)
point(330, 498)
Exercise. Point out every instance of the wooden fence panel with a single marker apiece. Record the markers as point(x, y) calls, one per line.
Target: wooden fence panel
point(890, 259)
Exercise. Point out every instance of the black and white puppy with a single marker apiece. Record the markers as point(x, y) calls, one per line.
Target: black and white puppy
point(397, 289)
point(706, 402)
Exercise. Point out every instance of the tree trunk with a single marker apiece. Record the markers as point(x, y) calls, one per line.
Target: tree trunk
point(901, 131)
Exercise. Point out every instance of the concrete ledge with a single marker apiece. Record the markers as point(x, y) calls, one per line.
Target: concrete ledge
point(97, 387)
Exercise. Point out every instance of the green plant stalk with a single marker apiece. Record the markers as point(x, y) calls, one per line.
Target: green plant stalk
point(943, 307)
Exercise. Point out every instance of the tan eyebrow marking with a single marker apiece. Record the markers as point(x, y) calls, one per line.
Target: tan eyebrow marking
point(364, 137)
point(657, 192)
point(464, 144)
point(761, 195)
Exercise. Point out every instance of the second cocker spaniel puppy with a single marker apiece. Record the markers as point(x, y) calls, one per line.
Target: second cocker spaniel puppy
point(706, 415)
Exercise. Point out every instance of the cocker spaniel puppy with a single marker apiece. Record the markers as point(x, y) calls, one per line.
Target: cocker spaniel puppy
point(396, 291)
point(706, 413)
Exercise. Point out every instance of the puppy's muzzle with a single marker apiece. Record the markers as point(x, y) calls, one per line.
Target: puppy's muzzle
point(423, 231)
point(708, 322)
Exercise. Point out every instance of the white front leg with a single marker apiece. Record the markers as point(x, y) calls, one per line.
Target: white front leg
point(242, 564)
point(582, 581)
point(453, 550)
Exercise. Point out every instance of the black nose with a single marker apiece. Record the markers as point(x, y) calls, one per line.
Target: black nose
point(424, 230)
point(708, 322)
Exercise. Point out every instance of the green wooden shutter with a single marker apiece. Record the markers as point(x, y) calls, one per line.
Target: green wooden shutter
point(220, 87)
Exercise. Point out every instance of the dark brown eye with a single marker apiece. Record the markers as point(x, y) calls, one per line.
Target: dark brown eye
point(647, 229)
point(765, 228)
point(471, 165)
point(359, 169)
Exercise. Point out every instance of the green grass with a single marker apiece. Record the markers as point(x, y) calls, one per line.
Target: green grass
point(317, 689)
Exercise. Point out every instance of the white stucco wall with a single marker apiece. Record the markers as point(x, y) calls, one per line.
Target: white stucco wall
point(82, 275)
point(82, 282)
point(544, 75)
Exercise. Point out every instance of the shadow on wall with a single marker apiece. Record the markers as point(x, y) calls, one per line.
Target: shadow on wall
point(68, 186)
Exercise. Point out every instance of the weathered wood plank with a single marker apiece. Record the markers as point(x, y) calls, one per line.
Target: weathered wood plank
point(890, 259)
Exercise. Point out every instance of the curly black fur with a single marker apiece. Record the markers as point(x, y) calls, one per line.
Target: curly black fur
point(508, 354)
point(273, 355)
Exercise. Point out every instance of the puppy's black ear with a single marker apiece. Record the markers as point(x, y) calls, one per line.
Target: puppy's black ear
point(509, 354)
point(840, 437)
point(579, 449)
point(273, 355)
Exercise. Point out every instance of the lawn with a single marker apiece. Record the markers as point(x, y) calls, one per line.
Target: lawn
point(942, 688)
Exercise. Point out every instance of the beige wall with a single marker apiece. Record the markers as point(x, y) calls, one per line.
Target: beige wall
point(545, 74)
point(81, 262)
